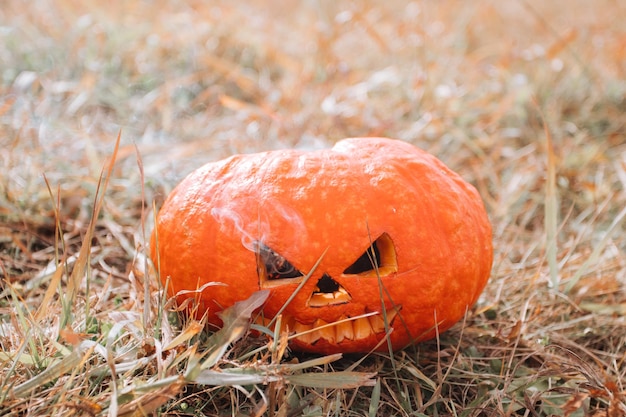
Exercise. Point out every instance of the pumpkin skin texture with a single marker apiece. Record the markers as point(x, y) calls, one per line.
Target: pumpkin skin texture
point(262, 221)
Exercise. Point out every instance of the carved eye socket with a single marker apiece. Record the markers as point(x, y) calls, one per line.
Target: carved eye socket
point(379, 257)
point(271, 265)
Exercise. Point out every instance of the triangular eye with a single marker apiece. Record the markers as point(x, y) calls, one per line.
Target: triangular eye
point(271, 265)
point(379, 258)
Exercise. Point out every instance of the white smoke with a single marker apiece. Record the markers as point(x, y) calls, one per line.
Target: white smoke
point(254, 219)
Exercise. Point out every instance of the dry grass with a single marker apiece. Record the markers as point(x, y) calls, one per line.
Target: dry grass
point(526, 99)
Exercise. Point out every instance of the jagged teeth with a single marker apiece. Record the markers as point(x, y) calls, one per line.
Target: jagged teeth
point(362, 328)
point(342, 329)
point(350, 329)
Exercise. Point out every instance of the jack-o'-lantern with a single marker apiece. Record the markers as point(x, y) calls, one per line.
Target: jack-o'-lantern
point(373, 238)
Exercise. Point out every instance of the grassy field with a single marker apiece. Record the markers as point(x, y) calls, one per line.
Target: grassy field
point(525, 99)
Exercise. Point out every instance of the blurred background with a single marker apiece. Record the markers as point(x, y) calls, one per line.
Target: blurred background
point(188, 82)
point(481, 84)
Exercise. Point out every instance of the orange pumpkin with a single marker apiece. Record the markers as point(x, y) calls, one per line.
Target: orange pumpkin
point(396, 233)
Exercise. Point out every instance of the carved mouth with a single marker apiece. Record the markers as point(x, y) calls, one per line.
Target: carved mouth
point(344, 328)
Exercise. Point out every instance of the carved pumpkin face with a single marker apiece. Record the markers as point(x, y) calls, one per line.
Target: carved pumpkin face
point(377, 225)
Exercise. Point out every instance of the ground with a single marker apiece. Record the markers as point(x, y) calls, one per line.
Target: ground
point(524, 99)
